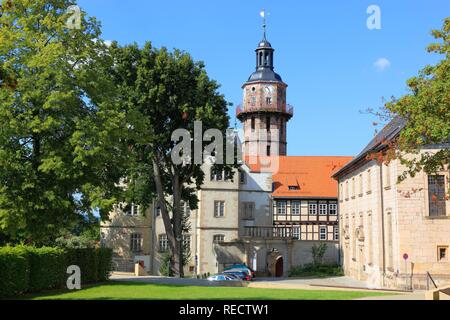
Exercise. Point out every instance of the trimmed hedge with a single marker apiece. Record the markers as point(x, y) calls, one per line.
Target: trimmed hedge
point(14, 271)
point(47, 268)
point(29, 269)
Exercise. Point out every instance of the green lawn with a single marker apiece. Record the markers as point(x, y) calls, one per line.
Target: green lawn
point(133, 290)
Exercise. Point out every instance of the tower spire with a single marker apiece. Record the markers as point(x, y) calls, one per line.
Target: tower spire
point(263, 16)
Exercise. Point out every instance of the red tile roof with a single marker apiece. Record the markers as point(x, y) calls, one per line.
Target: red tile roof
point(310, 175)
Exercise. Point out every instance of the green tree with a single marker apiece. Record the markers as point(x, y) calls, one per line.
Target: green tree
point(58, 128)
point(426, 110)
point(160, 92)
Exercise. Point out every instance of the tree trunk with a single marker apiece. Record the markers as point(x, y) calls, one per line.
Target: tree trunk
point(177, 220)
point(174, 261)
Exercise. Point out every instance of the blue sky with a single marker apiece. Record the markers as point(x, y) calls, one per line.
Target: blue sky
point(324, 52)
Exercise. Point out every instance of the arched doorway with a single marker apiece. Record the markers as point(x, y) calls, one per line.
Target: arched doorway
point(279, 267)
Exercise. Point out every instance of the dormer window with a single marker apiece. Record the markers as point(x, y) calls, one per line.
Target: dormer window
point(294, 188)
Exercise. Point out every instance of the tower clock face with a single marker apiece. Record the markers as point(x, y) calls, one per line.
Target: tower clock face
point(268, 90)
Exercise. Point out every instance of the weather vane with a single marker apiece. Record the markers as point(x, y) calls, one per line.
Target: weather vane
point(263, 15)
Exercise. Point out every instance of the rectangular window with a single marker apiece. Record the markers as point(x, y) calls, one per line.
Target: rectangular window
point(281, 207)
point(360, 191)
point(219, 209)
point(323, 233)
point(157, 211)
point(353, 187)
point(136, 242)
point(346, 190)
point(295, 207)
point(323, 209)
point(268, 123)
point(333, 209)
point(442, 253)
point(369, 180)
point(268, 100)
point(184, 206)
point(187, 241)
point(249, 210)
point(218, 238)
point(336, 233)
point(163, 243)
point(436, 195)
point(242, 177)
point(216, 174)
point(296, 233)
point(312, 208)
point(268, 150)
point(131, 209)
point(253, 123)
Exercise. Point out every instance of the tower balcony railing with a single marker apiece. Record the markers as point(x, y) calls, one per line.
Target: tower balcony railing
point(269, 232)
point(289, 109)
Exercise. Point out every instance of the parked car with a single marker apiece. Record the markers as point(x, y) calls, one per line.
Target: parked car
point(223, 277)
point(241, 267)
point(240, 274)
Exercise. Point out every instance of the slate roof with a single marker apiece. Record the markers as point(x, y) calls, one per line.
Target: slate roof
point(389, 132)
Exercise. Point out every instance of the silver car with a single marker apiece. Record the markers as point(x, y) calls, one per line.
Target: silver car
point(223, 277)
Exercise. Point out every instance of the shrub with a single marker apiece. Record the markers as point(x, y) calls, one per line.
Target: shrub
point(104, 256)
point(315, 270)
point(14, 270)
point(29, 269)
point(164, 268)
point(47, 268)
point(86, 259)
point(318, 251)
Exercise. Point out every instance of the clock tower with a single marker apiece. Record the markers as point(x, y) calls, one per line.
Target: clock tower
point(264, 112)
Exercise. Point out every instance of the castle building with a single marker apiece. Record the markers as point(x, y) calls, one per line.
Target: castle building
point(394, 234)
point(267, 217)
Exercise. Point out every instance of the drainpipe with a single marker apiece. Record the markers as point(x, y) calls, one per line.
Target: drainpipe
point(382, 224)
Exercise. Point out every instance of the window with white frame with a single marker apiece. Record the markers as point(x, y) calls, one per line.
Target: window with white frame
point(219, 209)
point(323, 233)
point(135, 242)
point(281, 207)
point(295, 207)
point(218, 238)
point(323, 209)
point(296, 233)
point(312, 208)
point(333, 209)
point(216, 174)
point(184, 206)
point(131, 209)
point(163, 243)
point(336, 233)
